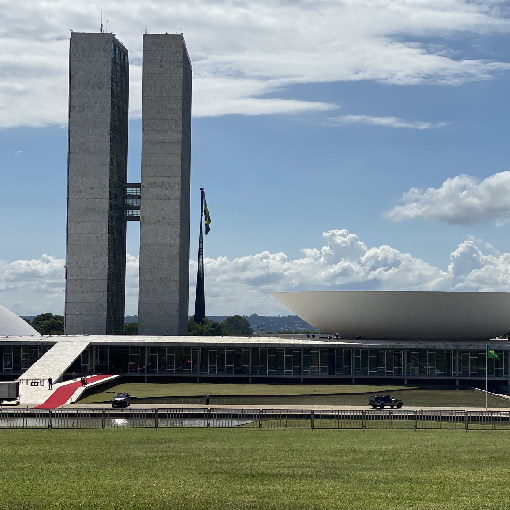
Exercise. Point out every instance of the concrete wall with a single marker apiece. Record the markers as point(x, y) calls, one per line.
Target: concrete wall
point(97, 166)
point(164, 215)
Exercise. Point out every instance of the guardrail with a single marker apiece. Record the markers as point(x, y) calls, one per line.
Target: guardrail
point(254, 418)
point(32, 382)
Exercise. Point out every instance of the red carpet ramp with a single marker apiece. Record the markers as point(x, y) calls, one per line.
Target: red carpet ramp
point(62, 394)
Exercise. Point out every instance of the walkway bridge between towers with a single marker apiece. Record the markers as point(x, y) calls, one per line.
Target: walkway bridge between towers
point(34, 388)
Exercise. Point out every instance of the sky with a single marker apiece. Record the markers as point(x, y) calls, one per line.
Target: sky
point(342, 145)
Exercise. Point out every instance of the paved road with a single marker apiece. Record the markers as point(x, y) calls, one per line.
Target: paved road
point(290, 407)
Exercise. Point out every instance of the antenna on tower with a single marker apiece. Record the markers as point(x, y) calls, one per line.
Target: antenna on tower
point(146, 29)
point(106, 26)
point(101, 20)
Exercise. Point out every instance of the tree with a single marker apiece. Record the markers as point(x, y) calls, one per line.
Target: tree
point(205, 328)
point(237, 326)
point(131, 328)
point(48, 324)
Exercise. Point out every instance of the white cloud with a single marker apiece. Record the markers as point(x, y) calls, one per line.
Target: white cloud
point(30, 287)
point(393, 122)
point(242, 99)
point(245, 52)
point(244, 285)
point(461, 200)
point(476, 265)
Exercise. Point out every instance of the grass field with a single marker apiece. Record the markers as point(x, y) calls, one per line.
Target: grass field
point(144, 390)
point(253, 469)
point(282, 395)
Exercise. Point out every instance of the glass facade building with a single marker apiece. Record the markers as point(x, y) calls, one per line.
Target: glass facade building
point(282, 360)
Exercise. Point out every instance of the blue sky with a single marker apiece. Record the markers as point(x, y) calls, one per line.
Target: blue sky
point(311, 121)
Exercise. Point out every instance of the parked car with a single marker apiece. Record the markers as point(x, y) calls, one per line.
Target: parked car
point(379, 401)
point(121, 400)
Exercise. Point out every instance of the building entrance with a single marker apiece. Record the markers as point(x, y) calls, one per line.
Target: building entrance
point(119, 360)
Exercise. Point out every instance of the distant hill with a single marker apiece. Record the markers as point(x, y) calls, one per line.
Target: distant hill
point(271, 324)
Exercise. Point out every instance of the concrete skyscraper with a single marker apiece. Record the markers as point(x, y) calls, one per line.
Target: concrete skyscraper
point(97, 172)
point(101, 201)
point(164, 214)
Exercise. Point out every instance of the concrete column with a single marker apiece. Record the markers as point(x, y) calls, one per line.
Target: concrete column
point(94, 358)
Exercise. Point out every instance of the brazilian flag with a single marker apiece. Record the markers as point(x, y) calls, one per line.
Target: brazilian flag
point(207, 220)
point(491, 353)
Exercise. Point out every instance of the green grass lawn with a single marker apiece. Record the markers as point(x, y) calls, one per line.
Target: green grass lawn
point(143, 390)
point(282, 395)
point(253, 469)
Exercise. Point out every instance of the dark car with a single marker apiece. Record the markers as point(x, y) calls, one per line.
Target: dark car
point(379, 401)
point(121, 400)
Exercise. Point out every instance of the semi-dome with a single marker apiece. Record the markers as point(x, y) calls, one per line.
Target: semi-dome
point(403, 315)
point(12, 325)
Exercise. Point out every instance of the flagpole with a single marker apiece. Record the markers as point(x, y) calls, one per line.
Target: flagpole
point(200, 292)
point(486, 368)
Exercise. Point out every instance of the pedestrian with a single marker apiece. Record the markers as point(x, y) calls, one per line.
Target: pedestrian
point(83, 381)
point(50, 383)
point(74, 376)
point(207, 400)
point(336, 334)
point(90, 371)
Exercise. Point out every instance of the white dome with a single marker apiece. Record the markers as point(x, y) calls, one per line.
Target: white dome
point(12, 325)
point(403, 315)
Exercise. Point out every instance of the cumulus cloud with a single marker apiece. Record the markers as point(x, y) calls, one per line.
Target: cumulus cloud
point(244, 53)
point(393, 122)
point(243, 285)
point(30, 287)
point(461, 200)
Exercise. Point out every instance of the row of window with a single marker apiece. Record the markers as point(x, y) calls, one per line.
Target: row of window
point(134, 202)
point(306, 361)
point(134, 190)
point(273, 361)
point(17, 359)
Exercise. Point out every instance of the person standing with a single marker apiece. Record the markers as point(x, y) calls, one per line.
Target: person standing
point(50, 383)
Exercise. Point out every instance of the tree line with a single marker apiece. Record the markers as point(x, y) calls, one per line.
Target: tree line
point(231, 326)
point(49, 324)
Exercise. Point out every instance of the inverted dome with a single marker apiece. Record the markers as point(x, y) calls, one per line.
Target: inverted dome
point(12, 325)
point(403, 315)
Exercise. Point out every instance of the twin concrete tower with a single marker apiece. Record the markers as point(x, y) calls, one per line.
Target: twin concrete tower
point(100, 201)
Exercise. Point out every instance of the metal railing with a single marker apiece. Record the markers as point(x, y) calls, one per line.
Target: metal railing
point(253, 418)
point(32, 382)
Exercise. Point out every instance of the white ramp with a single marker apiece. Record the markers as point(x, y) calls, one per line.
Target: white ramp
point(34, 382)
